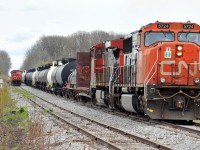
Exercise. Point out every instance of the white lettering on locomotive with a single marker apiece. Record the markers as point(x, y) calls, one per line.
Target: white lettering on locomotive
point(179, 67)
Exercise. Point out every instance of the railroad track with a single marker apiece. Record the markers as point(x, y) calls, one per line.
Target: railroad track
point(109, 136)
point(186, 129)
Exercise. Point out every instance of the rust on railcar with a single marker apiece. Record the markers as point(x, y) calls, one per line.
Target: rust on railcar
point(83, 71)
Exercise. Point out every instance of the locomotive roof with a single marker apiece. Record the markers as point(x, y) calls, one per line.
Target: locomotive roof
point(16, 71)
point(172, 25)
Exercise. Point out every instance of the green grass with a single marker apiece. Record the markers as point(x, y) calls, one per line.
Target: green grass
point(15, 116)
point(5, 98)
point(11, 114)
point(25, 93)
point(14, 122)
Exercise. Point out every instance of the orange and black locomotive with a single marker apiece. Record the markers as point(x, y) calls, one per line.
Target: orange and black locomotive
point(153, 71)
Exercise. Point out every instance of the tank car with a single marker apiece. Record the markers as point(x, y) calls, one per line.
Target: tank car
point(23, 76)
point(29, 76)
point(40, 76)
point(33, 76)
point(60, 75)
point(159, 72)
point(49, 79)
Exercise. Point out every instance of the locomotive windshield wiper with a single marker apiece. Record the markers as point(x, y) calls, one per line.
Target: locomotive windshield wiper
point(168, 36)
point(186, 35)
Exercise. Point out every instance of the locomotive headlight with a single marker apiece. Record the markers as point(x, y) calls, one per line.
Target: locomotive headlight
point(196, 80)
point(162, 80)
point(179, 48)
point(179, 53)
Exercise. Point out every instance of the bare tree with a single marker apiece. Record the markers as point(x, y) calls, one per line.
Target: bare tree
point(49, 48)
point(5, 62)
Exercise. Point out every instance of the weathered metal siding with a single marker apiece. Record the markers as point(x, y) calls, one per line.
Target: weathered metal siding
point(83, 71)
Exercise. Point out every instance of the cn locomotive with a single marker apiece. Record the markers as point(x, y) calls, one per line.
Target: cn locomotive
point(154, 71)
point(16, 77)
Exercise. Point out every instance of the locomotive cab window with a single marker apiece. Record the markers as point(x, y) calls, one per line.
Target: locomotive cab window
point(99, 53)
point(193, 37)
point(16, 72)
point(153, 37)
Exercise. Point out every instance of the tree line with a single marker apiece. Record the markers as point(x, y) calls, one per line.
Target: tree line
point(50, 48)
point(5, 63)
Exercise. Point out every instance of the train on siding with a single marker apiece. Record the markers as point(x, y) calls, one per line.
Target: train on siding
point(16, 77)
point(154, 71)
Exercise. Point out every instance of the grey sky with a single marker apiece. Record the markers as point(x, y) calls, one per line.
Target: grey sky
point(24, 21)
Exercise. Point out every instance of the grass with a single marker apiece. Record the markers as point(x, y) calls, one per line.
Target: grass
point(14, 122)
point(25, 93)
point(17, 130)
point(16, 116)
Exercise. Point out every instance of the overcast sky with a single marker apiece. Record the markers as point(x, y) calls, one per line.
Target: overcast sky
point(25, 21)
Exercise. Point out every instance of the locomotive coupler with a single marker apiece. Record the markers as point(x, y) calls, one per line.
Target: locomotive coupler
point(179, 102)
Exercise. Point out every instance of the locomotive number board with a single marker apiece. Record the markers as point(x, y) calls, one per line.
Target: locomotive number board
point(188, 26)
point(163, 26)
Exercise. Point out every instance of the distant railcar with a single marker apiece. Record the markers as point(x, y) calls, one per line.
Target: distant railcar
point(16, 77)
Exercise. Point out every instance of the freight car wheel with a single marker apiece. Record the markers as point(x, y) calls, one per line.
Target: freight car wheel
point(66, 95)
point(61, 93)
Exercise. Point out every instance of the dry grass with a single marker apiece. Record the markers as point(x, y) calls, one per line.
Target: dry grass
point(37, 137)
point(17, 130)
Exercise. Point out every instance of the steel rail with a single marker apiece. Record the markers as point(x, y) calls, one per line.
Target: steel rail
point(99, 140)
point(130, 135)
point(146, 120)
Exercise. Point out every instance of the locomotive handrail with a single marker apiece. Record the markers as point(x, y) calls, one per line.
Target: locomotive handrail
point(180, 92)
point(146, 80)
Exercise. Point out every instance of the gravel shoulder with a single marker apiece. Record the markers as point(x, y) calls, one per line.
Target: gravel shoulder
point(55, 134)
point(172, 139)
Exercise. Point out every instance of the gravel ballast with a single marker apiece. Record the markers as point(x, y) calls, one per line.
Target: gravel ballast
point(171, 139)
point(60, 136)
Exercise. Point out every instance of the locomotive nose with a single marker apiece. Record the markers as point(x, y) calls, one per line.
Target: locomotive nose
point(179, 64)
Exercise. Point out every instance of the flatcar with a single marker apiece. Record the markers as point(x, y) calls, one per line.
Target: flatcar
point(16, 77)
point(154, 71)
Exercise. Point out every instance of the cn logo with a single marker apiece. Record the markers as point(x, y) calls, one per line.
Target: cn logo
point(168, 53)
point(171, 63)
